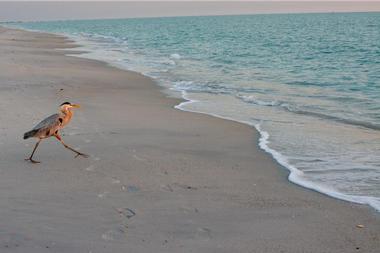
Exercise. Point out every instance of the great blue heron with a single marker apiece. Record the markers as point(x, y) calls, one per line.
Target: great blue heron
point(50, 127)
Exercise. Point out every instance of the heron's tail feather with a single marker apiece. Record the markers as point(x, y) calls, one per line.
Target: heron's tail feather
point(30, 134)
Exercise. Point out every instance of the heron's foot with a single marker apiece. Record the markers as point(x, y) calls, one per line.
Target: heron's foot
point(81, 154)
point(31, 160)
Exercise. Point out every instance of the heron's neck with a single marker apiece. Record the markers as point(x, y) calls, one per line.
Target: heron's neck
point(67, 113)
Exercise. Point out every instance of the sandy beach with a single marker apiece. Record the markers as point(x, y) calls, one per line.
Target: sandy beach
point(157, 179)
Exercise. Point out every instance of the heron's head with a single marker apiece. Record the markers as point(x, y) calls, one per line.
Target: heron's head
point(68, 106)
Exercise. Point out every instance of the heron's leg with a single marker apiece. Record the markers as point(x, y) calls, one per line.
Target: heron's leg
point(34, 150)
point(68, 147)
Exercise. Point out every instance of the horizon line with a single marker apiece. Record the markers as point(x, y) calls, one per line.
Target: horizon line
point(186, 16)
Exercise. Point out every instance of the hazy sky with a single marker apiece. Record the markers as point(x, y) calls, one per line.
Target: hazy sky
point(61, 10)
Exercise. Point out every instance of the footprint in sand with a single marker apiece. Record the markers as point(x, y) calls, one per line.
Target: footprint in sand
point(125, 212)
point(115, 180)
point(167, 187)
point(184, 186)
point(130, 188)
point(112, 235)
point(90, 168)
point(108, 236)
point(204, 233)
point(139, 158)
point(103, 195)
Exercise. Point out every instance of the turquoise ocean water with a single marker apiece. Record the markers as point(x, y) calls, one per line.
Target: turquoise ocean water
point(310, 83)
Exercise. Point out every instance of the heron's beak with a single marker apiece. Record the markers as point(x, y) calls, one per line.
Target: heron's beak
point(75, 106)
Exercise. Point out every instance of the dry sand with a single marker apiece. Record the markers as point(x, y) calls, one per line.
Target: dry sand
point(158, 179)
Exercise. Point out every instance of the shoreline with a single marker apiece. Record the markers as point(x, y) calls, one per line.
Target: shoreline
point(294, 174)
point(288, 200)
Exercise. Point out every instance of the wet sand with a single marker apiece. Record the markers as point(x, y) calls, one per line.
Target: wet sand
point(157, 180)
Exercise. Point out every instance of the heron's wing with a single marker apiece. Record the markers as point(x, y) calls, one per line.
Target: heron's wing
point(49, 122)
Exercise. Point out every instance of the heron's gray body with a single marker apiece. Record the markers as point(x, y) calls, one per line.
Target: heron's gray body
point(49, 126)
